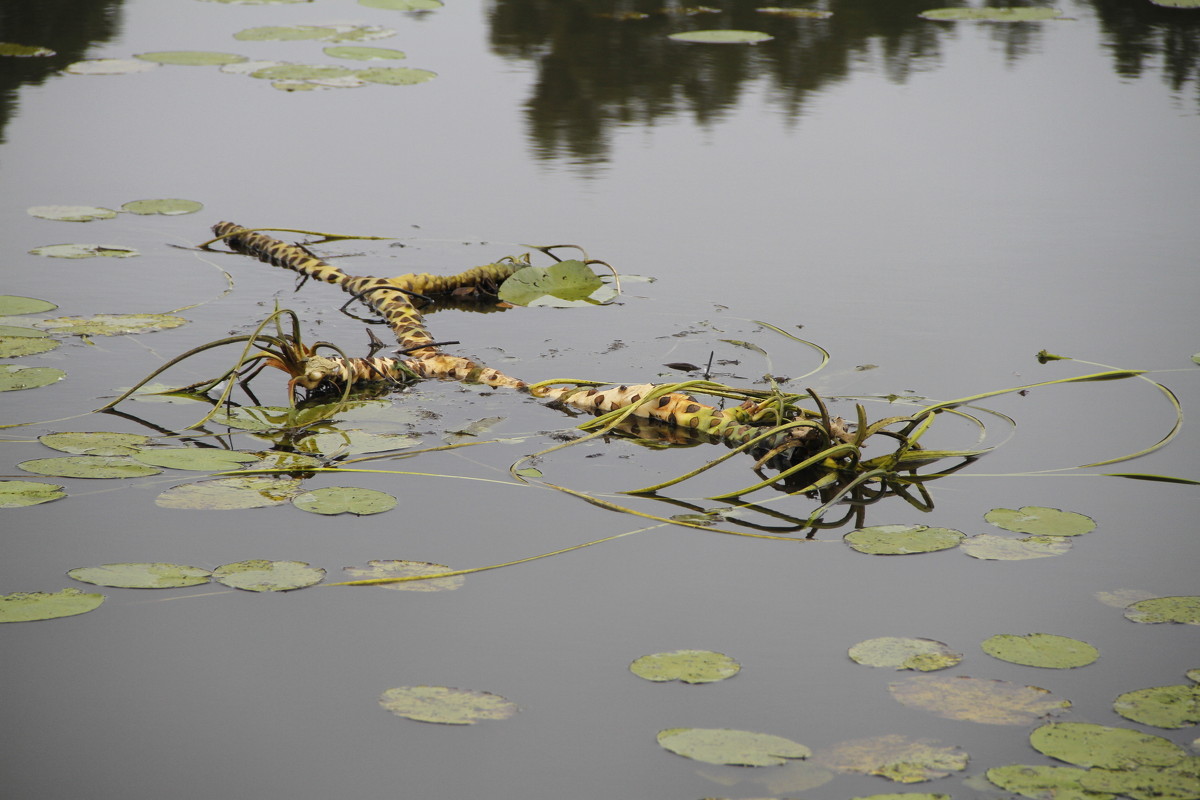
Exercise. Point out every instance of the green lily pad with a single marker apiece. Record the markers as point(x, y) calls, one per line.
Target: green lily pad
point(141, 575)
point(1161, 706)
point(360, 53)
point(14, 378)
point(292, 462)
point(567, 280)
point(95, 443)
point(354, 441)
point(1043, 783)
point(71, 213)
point(991, 14)
point(191, 58)
point(1040, 521)
point(14, 305)
point(902, 539)
point(991, 702)
point(258, 2)
point(402, 5)
point(109, 66)
point(21, 332)
point(169, 206)
point(687, 666)
point(84, 251)
point(14, 50)
point(734, 747)
point(794, 12)
point(17, 494)
point(199, 459)
point(1184, 610)
point(230, 493)
point(34, 606)
point(328, 33)
point(1121, 598)
point(396, 76)
point(905, 796)
point(989, 546)
point(301, 72)
point(1177, 3)
point(896, 652)
point(897, 758)
point(1040, 650)
point(722, 37)
point(1085, 744)
point(112, 324)
point(258, 575)
point(344, 500)
point(24, 345)
point(446, 705)
point(1179, 781)
point(88, 467)
point(408, 569)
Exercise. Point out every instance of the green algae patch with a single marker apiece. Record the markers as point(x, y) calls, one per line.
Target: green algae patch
point(992, 702)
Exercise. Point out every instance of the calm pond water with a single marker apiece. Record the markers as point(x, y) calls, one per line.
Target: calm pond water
point(935, 201)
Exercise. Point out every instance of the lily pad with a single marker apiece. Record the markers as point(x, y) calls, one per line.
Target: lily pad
point(169, 206)
point(903, 539)
point(897, 758)
point(1184, 610)
point(141, 575)
point(1179, 781)
point(199, 459)
point(14, 305)
point(14, 378)
point(230, 493)
point(353, 441)
point(71, 213)
point(1177, 3)
point(408, 569)
point(300, 72)
point(191, 58)
point(402, 5)
point(16, 346)
point(794, 12)
point(258, 575)
point(361, 53)
point(17, 494)
point(734, 747)
point(566, 280)
point(344, 500)
point(84, 251)
point(293, 462)
point(1040, 521)
point(14, 50)
point(328, 33)
point(1040, 650)
point(88, 467)
point(93, 443)
point(1161, 706)
point(991, 547)
point(687, 666)
point(896, 652)
point(109, 66)
point(34, 606)
point(725, 36)
point(1086, 744)
point(1027, 14)
point(1043, 783)
point(991, 702)
point(112, 324)
point(446, 705)
point(396, 76)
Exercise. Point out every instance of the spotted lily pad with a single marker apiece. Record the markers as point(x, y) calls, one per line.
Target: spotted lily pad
point(15, 305)
point(328, 33)
point(88, 467)
point(1040, 521)
point(109, 66)
point(26, 342)
point(169, 206)
point(897, 652)
point(361, 53)
point(722, 37)
point(71, 213)
point(34, 606)
point(93, 443)
point(1043, 783)
point(989, 546)
point(734, 747)
point(1026, 14)
point(897, 758)
point(567, 280)
point(687, 666)
point(353, 441)
point(902, 539)
point(408, 569)
point(1184, 610)
point(301, 72)
point(191, 58)
point(446, 705)
point(230, 493)
point(1179, 781)
point(1040, 650)
point(14, 378)
point(17, 494)
point(112, 324)
point(1161, 706)
point(1177, 3)
point(84, 251)
point(141, 575)
point(991, 702)
point(344, 500)
point(396, 76)
point(1086, 744)
point(199, 459)
point(258, 575)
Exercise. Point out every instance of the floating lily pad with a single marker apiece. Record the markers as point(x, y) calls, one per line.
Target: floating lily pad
point(199, 459)
point(17, 331)
point(16, 346)
point(991, 14)
point(897, 758)
point(360, 53)
point(141, 575)
point(14, 305)
point(88, 467)
point(191, 58)
point(353, 441)
point(293, 462)
point(328, 33)
point(258, 575)
point(17, 494)
point(14, 378)
point(1184, 610)
point(734, 747)
point(169, 206)
point(230, 493)
point(896, 652)
point(402, 5)
point(344, 500)
point(567, 280)
point(396, 76)
point(902, 539)
point(794, 12)
point(84, 251)
point(1085, 744)
point(258, 2)
point(687, 666)
point(989, 546)
point(1040, 650)
point(991, 702)
point(112, 324)
point(109, 66)
point(1040, 521)
point(14, 50)
point(1161, 706)
point(1122, 598)
point(446, 705)
point(905, 796)
point(71, 213)
point(1177, 3)
point(301, 72)
point(34, 606)
point(722, 37)
point(408, 569)
point(1043, 783)
point(94, 443)
point(1179, 781)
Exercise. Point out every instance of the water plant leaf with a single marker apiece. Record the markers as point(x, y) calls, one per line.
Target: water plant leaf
point(253, 418)
point(34, 606)
point(12, 305)
point(354, 441)
point(473, 429)
point(84, 251)
point(396, 76)
point(733, 747)
point(989, 546)
point(925, 655)
point(1043, 783)
point(71, 213)
point(18, 345)
point(109, 66)
point(567, 280)
point(404, 569)
point(1029, 14)
point(446, 705)
point(191, 58)
point(362, 53)
point(402, 5)
point(95, 443)
point(112, 324)
point(293, 462)
point(1184, 610)
point(903, 539)
point(1086, 744)
point(88, 467)
point(794, 12)
point(198, 459)
point(14, 378)
point(328, 33)
point(992, 702)
point(905, 796)
point(1041, 521)
point(1122, 598)
point(1161, 706)
point(1177, 3)
point(230, 493)
point(722, 36)
point(686, 666)
point(17, 494)
point(1179, 781)
point(169, 206)
point(14, 50)
point(1040, 650)
point(141, 575)
point(332, 500)
point(897, 758)
point(301, 72)
point(259, 575)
